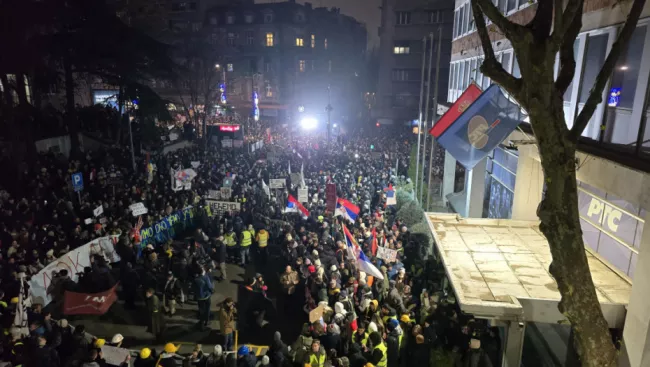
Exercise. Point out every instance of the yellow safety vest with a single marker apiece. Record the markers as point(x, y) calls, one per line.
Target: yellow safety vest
point(384, 358)
point(247, 239)
point(263, 238)
point(399, 341)
point(364, 339)
point(386, 318)
point(316, 360)
point(229, 240)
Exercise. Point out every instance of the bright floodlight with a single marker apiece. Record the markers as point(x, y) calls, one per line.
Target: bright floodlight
point(308, 123)
point(334, 125)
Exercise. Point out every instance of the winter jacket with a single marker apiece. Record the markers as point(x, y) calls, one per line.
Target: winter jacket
point(392, 343)
point(227, 320)
point(247, 361)
point(203, 287)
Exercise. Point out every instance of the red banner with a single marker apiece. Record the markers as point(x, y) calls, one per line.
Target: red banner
point(88, 303)
point(465, 100)
point(330, 192)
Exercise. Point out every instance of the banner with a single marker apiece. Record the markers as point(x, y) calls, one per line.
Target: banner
point(485, 124)
point(214, 194)
point(277, 183)
point(74, 262)
point(165, 229)
point(114, 356)
point(98, 211)
point(303, 195)
point(330, 194)
point(88, 303)
point(387, 254)
point(220, 207)
point(226, 192)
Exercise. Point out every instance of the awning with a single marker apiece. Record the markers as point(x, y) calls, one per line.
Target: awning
point(499, 269)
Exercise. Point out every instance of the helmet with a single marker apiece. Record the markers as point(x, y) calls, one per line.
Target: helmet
point(14, 300)
point(405, 318)
point(117, 338)
point(170, 348)
point(100, 343)
point(145, 353)
point(242, 351)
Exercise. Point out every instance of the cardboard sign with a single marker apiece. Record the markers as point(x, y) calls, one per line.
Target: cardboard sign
point(387, 254)
point(296, 178)
point(88, 221)
point(226, 192)
point(98, 211)
point(195, 164)
point(316, 314)
point(277, 183)
point(220, 207)
point(303, 195)
point(214, 194)
point(330, 194)
point(114, 356)
point(140, 211)
point(136, 206)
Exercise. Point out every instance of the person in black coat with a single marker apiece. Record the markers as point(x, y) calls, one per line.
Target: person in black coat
point(392, 343)
point(331, 339)
point(356, 357)
point(421, 352)
point(279, 353)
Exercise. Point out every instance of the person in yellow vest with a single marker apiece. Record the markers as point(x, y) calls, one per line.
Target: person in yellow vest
point(376, 353)
point(360, 336)
point(231, 244)
point(245, 242)
point(316, 356)
point(262, 240)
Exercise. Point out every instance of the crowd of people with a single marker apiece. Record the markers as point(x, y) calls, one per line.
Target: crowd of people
point(402, 316)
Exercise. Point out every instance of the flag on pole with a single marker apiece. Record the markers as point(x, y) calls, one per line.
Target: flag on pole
point(347, 209)
point(289, 167)
point(266, 188)
point(302, 175)
point(390, 195)
point(363, 263)
point(294, 205)
point(20, 319)
point(374, 245)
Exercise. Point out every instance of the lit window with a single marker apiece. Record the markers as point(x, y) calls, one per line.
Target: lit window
point(401, 50)
point(229, 67)
point(269, 91)
point(300, 42)
point(325, 43)
point(403, 18)
point(248, 18)
point(301, 66)
point(269, 40)
point(313, 41)
point(230, 19)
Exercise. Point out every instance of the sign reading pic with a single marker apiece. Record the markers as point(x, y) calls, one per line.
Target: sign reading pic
point(221, 207)
point(387, 254)
point(277, 183)
point(88, 303)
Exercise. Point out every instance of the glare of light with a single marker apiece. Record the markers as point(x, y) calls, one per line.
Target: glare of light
point(356, 155)
point(301, 108)
point(217, 66)
point(335, 125)
point(308, 123)
point(624, 67)
point(377, 124)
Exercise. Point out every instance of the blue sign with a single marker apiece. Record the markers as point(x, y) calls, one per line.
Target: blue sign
point(614, 98)
point(481, 127)
point(165, 229)
point(77, 181)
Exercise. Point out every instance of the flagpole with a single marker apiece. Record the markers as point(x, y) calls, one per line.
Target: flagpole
point(426, 117)
point(435, 114)
point(417, 159)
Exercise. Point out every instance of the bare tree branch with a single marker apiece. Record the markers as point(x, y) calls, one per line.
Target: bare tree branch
point(491, 67)
point(572, 11)
point(596, 92)
point(542, 22)
point(567, 57)
point(510, 30)
point(558, 7)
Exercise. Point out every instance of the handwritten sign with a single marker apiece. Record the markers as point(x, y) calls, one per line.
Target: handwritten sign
point(221, 207)
point(98, 211)
point(214, 194)
point(114, 356)
point(226, 192)
point(387, 254)
point(303, 195)
point(277, 183)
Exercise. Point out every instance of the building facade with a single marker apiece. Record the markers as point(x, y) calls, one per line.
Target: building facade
point(613, 160)
point(404, 24)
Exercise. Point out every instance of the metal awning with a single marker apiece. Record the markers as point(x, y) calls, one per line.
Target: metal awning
point(499, 269)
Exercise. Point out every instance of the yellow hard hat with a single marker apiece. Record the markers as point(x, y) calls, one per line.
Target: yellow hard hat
point(405, 318)
point(100, 343)
point(145, 353)
point(170, 348)
point(14, 300)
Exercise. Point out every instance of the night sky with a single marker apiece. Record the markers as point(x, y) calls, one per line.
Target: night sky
point(365, 11)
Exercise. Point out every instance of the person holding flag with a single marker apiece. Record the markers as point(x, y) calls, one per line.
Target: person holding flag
point(295, 206)
point(347, 210)
point(359, 258)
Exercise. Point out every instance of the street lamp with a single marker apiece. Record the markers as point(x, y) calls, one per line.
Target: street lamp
point(217, 66)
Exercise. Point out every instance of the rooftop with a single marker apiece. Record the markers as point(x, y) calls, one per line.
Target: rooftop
point(497, 267)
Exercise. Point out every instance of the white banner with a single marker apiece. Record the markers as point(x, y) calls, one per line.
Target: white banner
point(136, 206)
point(277, 183)
point(387, 254)
point(98, 211)
point(74, 262)
point(140, 211)
point(303, 196)
point(220, 207)
point(214, 194)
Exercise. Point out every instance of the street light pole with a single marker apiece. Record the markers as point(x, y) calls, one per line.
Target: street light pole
point(435, 113)
point(417, 159)
point(426, 117)
point(329, 112)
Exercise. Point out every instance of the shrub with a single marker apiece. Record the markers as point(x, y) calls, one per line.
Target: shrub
point(410, 213)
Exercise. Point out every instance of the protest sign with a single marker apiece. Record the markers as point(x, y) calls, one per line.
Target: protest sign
point(88, 220)
point(140, 211)
point(330, 194)
point(114, 356)
point(303, 195)
point(316, 314)
point(226, 192)
point(74, 262)
point(166, 228)
point(98, 211)
point(220, 207)
point(387, 254)
point(214, 194)
point(195, 164)
point(88, 303)
point(277, 183)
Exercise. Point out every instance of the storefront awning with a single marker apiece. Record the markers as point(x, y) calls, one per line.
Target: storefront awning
point(499, 269)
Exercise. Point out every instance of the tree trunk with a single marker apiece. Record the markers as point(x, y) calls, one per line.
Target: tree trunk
point(560, 223)
point(70, 111)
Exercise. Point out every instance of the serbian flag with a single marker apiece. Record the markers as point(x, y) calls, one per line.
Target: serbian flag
point(357, 255)
point(374, 245)
point(482, 126)
point(390, 195)
point(347, 209)
point(294, 205)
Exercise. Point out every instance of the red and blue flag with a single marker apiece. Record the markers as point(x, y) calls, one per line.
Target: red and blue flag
point(347, 209)
point(294, 205)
